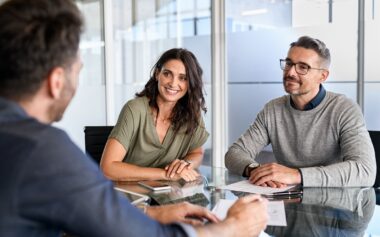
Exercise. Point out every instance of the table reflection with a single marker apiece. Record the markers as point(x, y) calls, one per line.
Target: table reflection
point(328, 212)
point(319, 212)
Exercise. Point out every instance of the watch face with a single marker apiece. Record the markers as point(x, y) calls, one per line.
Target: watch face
point(253, 165)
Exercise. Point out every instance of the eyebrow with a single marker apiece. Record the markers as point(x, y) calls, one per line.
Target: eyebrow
point(168, 70)
point(288, 59)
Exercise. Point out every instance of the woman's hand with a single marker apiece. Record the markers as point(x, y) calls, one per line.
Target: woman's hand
point(181, 168)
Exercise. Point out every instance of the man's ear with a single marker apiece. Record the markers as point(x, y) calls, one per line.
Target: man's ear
point(325, 75)
point(56, 82)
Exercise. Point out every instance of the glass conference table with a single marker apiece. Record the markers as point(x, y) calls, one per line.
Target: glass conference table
point(320, 212)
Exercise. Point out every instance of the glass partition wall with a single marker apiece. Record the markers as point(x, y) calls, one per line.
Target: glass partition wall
point(89, 104)
point(144, 29)
point(371, 64)
point(258, 33)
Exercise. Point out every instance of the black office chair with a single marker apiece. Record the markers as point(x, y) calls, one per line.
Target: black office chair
point(375, 137)
point(95, 138)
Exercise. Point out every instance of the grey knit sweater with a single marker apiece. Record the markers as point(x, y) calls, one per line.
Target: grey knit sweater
point(330, 143)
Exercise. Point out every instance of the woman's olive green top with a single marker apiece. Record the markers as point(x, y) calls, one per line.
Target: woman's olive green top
point(135, 130)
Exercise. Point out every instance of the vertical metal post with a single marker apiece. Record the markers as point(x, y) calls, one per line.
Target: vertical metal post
point(360, 77)
point(219, 83)
point(330, 11)
point(109, 65)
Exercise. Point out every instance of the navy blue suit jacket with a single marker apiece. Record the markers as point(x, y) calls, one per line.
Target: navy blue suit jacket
point(48, 185)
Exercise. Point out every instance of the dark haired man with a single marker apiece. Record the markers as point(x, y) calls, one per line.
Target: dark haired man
point(318, 137)
point(47, 183)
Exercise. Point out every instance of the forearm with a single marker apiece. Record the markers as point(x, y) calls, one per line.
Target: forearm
point(245, 150)
point(118, 170)
point(195, 158)
point(237, 160)
point(342, 174)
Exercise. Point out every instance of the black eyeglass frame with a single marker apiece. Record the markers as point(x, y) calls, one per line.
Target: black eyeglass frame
point(284, 62)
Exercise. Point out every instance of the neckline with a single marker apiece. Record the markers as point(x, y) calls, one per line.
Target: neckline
point(153, 127)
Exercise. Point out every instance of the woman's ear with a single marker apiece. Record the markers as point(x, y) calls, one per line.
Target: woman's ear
point(156, 74)
point(56, 82)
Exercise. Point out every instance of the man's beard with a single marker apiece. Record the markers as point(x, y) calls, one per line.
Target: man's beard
point(298, 92)
point(57, 110)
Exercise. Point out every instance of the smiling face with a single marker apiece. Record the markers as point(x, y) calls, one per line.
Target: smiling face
point(303, 85)
point(172, 81)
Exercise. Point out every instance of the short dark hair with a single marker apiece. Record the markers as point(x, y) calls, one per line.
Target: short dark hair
point(315, 44)
point(35, 37)
point(187, 111)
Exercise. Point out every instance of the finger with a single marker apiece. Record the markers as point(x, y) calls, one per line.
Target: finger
point(182, 165)
point(184, 177)
point(259, 172)
point(193, 175)
point(271, 184)
point(189, 176)
point(210, 217)
point(172, 167)
point(174, 170)
point(193, 221)
point(168, 170)
point(199, 212)
point(279, 184)
point(262, 177)
point(250, 198)
point(264, 180)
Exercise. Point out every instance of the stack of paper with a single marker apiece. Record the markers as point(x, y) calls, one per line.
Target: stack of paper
point(246, 186)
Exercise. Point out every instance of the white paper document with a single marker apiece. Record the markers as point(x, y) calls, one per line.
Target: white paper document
point(276, 211)
point(246, 186)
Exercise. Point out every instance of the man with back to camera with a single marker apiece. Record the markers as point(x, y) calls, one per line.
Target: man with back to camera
point(47, 184)
point(319, 138)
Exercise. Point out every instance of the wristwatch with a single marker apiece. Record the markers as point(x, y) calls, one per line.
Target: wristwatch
point(249, 168)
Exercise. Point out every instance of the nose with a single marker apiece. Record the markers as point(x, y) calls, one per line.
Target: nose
point(291, 71)
point(175, 81)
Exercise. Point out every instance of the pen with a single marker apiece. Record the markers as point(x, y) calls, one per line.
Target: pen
point(285, 193)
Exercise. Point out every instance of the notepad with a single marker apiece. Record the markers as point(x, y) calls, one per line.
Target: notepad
point(276, 211)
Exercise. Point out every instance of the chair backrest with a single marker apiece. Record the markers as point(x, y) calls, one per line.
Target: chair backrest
point(95, 138)
point(375, 137)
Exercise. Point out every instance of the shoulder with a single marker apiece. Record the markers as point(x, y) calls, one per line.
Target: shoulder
point(337, 97)
point(137, 105)
point(276, 103)
point(340, 102)
point(55, 142)
point(138, 102)
point(46, 144)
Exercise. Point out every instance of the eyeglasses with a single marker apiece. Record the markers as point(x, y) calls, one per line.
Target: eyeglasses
point(301, 68)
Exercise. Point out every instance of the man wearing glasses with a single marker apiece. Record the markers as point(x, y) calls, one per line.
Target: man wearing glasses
point(318, 137)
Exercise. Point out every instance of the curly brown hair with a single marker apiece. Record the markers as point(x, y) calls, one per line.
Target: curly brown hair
point(187, 111)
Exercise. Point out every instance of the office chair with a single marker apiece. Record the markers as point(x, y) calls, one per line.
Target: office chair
point(375, 137)
point(95, 138)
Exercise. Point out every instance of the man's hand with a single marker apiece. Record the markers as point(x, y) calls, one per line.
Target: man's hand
point(273, 184)
point(274, 175)
point(248, 215)
point(182, 169)
point(181, 212)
